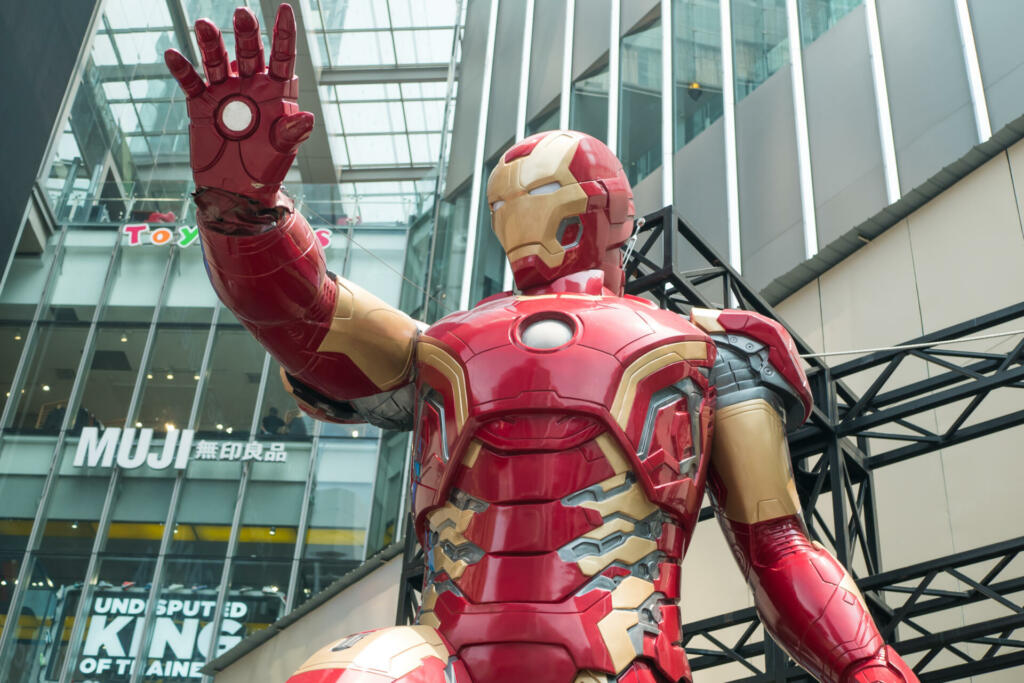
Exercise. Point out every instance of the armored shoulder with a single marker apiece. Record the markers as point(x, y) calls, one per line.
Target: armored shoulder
point(756, 359)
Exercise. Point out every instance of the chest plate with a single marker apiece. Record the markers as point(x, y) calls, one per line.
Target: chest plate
point(549, 373)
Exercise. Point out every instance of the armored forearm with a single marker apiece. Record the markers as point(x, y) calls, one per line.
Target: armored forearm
point(335, 341)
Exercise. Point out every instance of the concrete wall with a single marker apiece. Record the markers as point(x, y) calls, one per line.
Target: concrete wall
point(368, 604)
point(956, 257)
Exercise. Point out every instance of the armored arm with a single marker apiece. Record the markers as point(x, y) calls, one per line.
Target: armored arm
point(345, 355)
point(806, 599)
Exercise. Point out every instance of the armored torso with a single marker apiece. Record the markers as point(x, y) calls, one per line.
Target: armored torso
point(559, 465)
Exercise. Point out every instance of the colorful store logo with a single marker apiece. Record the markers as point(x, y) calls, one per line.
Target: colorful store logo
point(184, 236)
point(119, 446)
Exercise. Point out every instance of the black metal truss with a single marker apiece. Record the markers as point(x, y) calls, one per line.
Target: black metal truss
point(833, 464)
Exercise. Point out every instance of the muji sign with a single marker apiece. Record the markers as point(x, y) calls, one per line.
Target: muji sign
point(119, 446)
point(184, 236)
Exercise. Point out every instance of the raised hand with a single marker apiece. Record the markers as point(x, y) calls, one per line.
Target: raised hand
point(245, 123)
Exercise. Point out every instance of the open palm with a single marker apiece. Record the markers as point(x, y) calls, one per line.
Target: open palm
point(245, 124)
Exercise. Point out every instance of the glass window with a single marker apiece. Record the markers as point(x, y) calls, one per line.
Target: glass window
point(489, 260)
point(232, 383)
point(548, 121)
point(760, 42)
point(697, 55)
point(589, 106)
point(51, 373)
point(818, 16)
point(387, 491)
point(169, 384)
point(339, 508)
point(208, 499)
point(449, 256)
point(112, 373)
point(640, 103)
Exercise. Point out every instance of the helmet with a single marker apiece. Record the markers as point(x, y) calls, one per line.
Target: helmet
point(561, 204)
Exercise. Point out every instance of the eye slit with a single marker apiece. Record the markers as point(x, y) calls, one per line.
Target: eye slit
point(497, 205)
point(547, 188)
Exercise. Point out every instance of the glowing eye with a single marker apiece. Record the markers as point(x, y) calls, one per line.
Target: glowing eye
point(498, 204)
point(546, 188)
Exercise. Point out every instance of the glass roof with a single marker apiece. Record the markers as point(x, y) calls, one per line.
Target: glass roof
point(130, 106)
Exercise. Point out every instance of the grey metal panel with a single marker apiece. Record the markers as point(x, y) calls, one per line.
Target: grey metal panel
point(998, 27)
point(699, 192)
point(508, 51)
point(647, 193)
point(768, 180)
point(590, 38)
point(635, 13)
point(467, 107)
point(774, 258)
point(546, 56)
point(846, 152)
point(932, 118)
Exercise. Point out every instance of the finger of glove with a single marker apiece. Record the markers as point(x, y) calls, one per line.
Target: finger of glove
point(290, 131)
point(248, 44)
point(184, 73)
point(282, 50)
point(215, 55)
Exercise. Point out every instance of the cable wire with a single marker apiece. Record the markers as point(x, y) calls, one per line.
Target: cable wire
point(921, 345)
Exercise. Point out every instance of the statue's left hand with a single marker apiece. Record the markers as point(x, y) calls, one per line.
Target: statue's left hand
point(245, 124)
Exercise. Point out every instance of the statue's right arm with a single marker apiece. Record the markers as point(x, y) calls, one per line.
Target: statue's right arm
point(345, 355)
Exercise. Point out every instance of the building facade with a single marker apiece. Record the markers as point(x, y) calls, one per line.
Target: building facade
point(161, 496)
point(161, 499)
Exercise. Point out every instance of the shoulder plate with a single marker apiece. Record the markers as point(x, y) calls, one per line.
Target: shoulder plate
point(756, 355)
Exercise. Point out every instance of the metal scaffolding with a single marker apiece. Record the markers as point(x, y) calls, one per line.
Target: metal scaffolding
point(834, 464)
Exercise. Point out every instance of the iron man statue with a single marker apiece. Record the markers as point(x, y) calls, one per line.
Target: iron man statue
point(564, 434)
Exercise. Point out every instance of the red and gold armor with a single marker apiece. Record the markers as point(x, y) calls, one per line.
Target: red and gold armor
point(564, 434)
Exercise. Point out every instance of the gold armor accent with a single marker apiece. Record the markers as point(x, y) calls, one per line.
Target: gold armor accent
point(614, 626)
point(645, 366)
point(531, 227)
point(751, 456)
point(614, 454)
point(450, 523)
point(631, 593)
point(375, 336)
point(632, 551)
point(632, 502)
point(472, 453)
point(706, 319)
point(609, 528)
point(429, 599)
point(391, 652)
point(428, 353)
point(592, 677)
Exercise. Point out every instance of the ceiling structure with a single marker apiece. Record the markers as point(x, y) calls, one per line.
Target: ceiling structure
point(380, 69)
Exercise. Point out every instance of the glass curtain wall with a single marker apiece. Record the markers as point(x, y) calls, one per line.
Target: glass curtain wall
point(260, 511)
point(640, 102)
point(760, 42)
point(589, 104)
point(818, 16)
point(489, 260)
point(697, 63)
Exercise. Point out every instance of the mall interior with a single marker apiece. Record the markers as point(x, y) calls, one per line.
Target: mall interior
point(855, 161)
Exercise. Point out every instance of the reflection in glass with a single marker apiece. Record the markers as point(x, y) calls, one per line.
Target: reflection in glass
point(170, 380)
point(697, 55)
point(818, 16)
point(387, 492)
point(589, 106)
point(640, 103)
point(232, 383)
point(489, 259)
point(261, 586)
point(449, 256)
point(49, 378)
point(760, 42)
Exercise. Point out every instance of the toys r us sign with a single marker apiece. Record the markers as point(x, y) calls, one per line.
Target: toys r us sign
point(184, 236)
